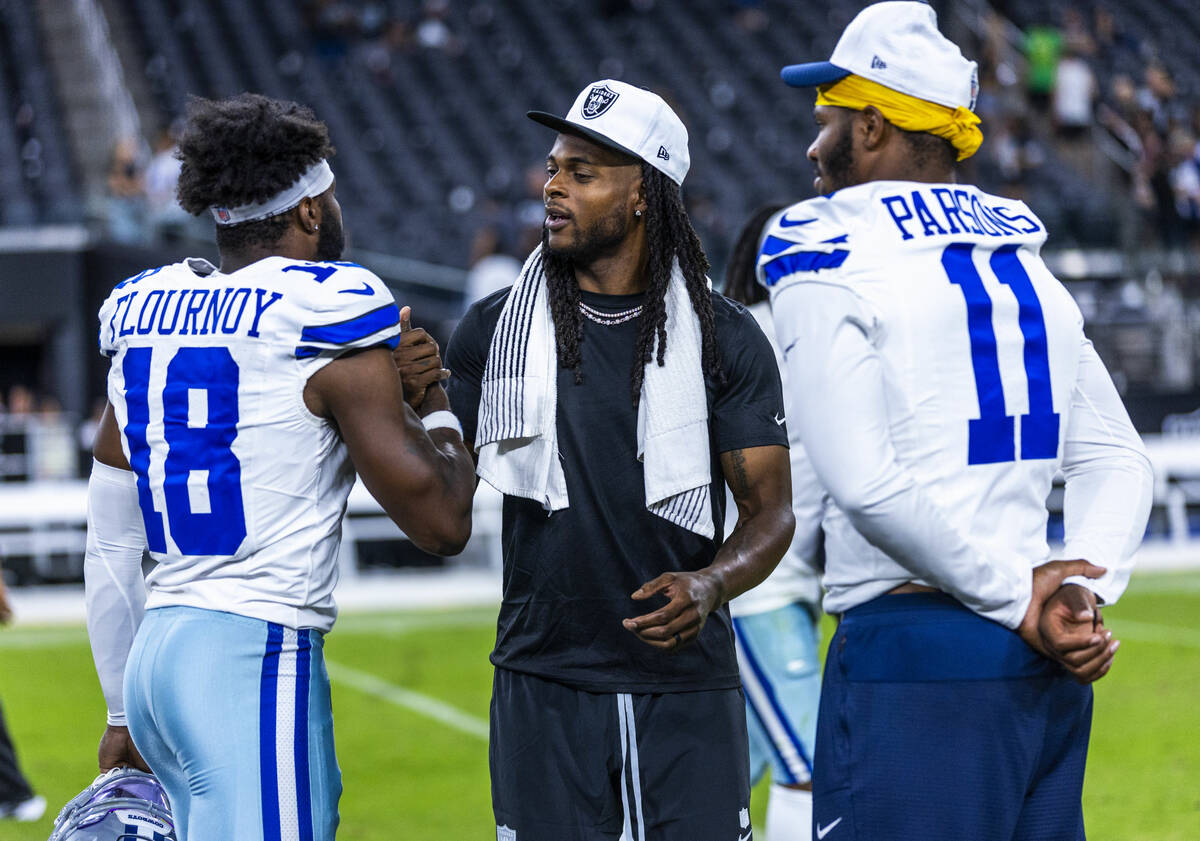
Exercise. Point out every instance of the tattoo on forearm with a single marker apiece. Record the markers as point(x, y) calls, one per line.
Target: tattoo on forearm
point(738, 482)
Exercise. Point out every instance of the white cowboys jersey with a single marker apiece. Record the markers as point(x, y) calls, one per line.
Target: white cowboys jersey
point(242, 489)
point(984, 386)
point(797, 578)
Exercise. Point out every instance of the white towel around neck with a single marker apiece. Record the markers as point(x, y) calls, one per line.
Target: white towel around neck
point(517, 438)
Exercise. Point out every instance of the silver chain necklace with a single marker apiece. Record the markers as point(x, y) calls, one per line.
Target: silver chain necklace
point(608, 319)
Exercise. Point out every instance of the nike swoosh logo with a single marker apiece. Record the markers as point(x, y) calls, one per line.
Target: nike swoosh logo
point(785, 222)
point(779, 421)
point(746, 837)
point(823, 831)
point(366, 290)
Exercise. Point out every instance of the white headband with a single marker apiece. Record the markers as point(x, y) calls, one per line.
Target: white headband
point(315, 180)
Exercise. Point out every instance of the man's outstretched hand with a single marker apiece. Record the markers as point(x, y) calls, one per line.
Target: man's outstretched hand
point(691, 597)
point(418, 359)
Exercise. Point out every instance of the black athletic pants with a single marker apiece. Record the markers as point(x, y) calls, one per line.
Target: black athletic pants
point(13, 786)
point(569, 765)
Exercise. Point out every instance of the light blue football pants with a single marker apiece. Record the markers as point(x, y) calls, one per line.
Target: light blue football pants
point(780, 665)
point(233, 716)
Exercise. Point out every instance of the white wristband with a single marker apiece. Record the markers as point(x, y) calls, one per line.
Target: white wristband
point(442, 420)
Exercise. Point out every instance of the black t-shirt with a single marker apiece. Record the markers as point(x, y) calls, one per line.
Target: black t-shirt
point(568, 575)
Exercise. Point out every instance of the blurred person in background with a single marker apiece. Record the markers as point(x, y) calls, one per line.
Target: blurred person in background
point(164, 214)
point(124, 206)
point(778, 623)
point(492, 267)
point(17, 800)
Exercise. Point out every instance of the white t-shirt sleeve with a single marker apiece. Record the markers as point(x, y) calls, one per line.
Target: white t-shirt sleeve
point(112, 573)
point(1109, 480)
point(825, 332)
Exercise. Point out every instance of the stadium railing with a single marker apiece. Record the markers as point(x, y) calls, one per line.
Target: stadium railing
point(46, 521)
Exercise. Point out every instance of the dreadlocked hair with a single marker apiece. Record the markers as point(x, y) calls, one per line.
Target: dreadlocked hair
point(669, 235)
point(243, 150)
point(562, 289)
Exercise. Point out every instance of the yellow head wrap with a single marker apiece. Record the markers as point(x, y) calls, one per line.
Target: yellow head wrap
point(958, 125)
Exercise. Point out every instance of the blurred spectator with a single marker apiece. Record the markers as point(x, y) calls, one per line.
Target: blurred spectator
point(1156, 95)
point(492, 267)
point(433, 32)
point(1074, 97)
point(17, 800)
point(21, 400)
point(1074, 93)
point(1185, 178)
point(1042, 47)
point(125, 196)
point(379, 55)
point(166, 218)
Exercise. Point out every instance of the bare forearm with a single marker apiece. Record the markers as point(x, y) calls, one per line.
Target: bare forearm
point(456, 478)
point(752, 551)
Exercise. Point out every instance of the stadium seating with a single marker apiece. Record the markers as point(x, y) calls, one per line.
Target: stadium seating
point(37, 175)
point(432, 136)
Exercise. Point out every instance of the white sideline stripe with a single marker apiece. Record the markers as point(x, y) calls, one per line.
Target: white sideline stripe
point(409, 699)
point(400, 625)
point(47, 637)
point(42, 637)
point(33, 638)
point(1167, 583)
point(1151, 632)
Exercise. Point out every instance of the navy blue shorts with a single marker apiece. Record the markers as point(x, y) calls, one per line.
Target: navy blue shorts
point(939, 725)
point(569, 765)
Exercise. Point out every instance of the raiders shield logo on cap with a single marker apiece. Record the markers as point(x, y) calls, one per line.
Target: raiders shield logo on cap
point(600, 99)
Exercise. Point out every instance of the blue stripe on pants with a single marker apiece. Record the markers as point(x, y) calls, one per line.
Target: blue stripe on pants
point(776, 708)
point(303, 665)
point(266, 745)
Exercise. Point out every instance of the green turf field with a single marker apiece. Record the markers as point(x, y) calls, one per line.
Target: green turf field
point(411, 699)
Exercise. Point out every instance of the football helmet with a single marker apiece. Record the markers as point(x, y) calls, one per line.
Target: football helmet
point(123, 804)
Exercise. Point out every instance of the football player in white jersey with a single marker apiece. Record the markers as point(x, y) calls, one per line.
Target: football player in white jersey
point(940, 377)
point(777, 625)
point(242, 401)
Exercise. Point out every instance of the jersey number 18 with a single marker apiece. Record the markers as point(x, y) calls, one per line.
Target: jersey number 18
point(200, 416)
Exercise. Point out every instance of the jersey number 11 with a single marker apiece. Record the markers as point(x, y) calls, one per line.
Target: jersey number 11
point(990, 437)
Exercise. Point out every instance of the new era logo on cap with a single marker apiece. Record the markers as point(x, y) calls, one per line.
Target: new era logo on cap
point(629, 119)
point(878, 63)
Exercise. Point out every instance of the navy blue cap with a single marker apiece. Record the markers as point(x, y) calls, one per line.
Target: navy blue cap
point(812, 74)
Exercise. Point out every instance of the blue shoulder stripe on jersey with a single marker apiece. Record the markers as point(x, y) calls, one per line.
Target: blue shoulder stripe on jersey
point(135, 278)
point(774, 245)
point(353, 329)
point(309, 351)
point(803, 261)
